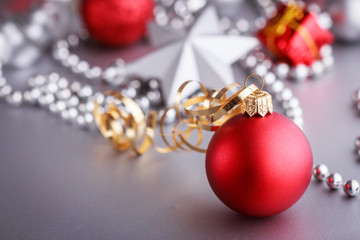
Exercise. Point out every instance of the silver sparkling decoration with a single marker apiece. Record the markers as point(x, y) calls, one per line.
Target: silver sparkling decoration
point(351, 187)
point(334, 181)
point(320, 172)
point(115, 74)
point(300, 73)
point(282, 70)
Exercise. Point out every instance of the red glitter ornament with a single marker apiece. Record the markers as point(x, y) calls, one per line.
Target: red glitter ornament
point(116, 22)
point(259, 166)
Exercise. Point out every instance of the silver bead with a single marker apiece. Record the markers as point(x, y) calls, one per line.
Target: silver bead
point(250, 61)
point(260, 56)
point(35, 93)
point(71, 61)
point(93, 73)
point(42, 100)
point(180, 8)
point(170, 116)
point(129, 92)
point(73, 40)
point(82, 107)
point(161, 18)
point(328, 62)
point(61, 44)
point(224, 24)
point(177, 23)
point(334, 181)
point(242, 25)
point(294, 112)
point(53, 108)
point(65, 115)
point(317, 68)
point(299, 121)
point(154, 84)
point(15, 98)
point(154, 97)
point(39, 80)
point(357, 143)
point(278, 86)
point(135, 83)
point(52, 87)
point(282, 70)
point(28, 97)
point(320, 172)
point(325, 21)
point(300, 73)
point(63, 94)
point(261, 69)
point(5, 91)
point(73, 113)
point(60, 105)
point(286, 94)
point(63, 83)
point(115, 74)
point(46, 99)
point(75, 87)
point(89, 106)
point(267, 63)
point(351, 187)
point(81, 67)
point(80, 121)
point(54, 77)
point(61, 54)
point(2, 82)
point(356, 95)
point(326, 51)
point(269, 78)
point(100, 98)
point(89, 118)
point(85, 91)
point(260, 22)
point(292, 103)
point(144, 103)
point(73, 101)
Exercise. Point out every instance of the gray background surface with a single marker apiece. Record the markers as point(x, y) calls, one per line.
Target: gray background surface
point(59, 182)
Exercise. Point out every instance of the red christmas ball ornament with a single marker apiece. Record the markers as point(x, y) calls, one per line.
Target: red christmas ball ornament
point(259, 166)
point(116, 22)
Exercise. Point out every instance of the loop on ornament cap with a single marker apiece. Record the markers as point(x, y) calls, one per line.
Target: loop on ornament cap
point(257, 75)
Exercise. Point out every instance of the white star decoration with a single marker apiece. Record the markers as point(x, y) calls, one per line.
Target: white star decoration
point(203, 54)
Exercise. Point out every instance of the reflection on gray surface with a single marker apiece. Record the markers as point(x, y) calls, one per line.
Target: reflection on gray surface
point(58, 182)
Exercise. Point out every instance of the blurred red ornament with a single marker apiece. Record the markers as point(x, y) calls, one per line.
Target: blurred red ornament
point(259, 166)
point(116, 22)
point(294, 35)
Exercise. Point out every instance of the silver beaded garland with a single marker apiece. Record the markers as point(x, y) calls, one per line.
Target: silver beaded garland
point(320, 172)
point(334, 181)
point(351, 187)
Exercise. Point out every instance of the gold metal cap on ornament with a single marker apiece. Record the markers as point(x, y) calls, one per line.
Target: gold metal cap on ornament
point(259, 102)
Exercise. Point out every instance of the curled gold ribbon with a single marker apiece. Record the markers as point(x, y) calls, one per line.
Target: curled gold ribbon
point(126, 127)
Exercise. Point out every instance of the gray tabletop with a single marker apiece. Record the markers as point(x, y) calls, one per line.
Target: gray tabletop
point(59, 182)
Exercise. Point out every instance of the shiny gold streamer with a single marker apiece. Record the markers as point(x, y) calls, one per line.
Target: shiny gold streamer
point(126, 127)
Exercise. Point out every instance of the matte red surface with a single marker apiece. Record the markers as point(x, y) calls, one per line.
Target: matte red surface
point(116, 22)
point(259, 166)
